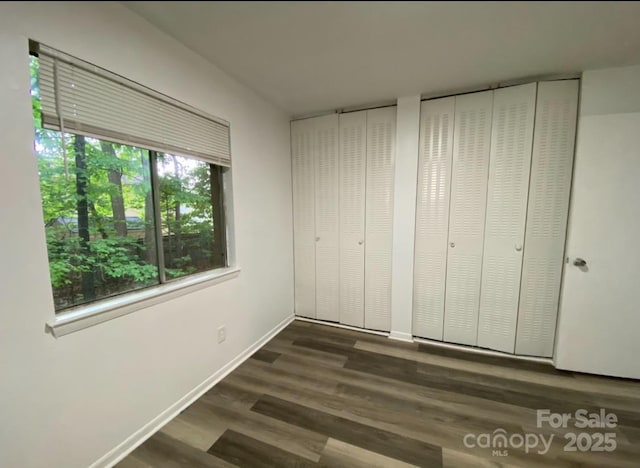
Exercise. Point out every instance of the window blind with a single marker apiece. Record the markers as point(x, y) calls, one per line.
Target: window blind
point(82, 98)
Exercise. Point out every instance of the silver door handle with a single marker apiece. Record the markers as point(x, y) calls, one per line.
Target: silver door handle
point(580, 262)
point(518, 247)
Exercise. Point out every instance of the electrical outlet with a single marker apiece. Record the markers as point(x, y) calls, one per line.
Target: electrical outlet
point(222, 334)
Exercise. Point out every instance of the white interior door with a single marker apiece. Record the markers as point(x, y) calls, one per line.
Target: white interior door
point(353, 154)
point(599, 311)
point(471, 143)
point(549, 189)
point(432, 216)
point(509, 166)
point(327, 208)
point(304, 230)
point(381, 149)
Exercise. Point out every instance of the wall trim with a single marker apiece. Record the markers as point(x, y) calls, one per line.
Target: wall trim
point(486, 352)
point(141, 435)
point(401, 336)
point(339, 325)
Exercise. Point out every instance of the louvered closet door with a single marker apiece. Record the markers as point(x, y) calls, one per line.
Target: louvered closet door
point(471, 143)
point(432, 216)
point(381, 149)
point(304, 231)
point(353, 134)
point(510, 161)
point(327, 219)
point(551, 166)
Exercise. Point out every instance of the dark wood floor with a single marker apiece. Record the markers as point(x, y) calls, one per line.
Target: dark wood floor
point(322, 396)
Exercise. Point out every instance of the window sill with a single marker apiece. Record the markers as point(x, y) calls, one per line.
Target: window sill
point(86, 316)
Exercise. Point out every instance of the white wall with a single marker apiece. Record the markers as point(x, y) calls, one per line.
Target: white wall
point(66, 402)
point(599, 314)
point(404, 216)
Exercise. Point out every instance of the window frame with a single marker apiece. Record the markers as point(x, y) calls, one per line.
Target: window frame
point(86, 315)
point(75, 318)
point(218, 198)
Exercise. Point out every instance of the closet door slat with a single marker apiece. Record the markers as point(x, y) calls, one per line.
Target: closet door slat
point(432, 216)
point(327, 208)
point(551, 169)
point(471, 143)
point(381, 149)
point(304, 230)
point(353, 134)
point(509, 166)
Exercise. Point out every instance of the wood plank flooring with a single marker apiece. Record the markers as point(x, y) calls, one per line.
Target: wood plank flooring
point(322, 396)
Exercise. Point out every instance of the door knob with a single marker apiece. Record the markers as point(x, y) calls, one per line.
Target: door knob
point(360, 242)
point(452, 244)
point(317, 239)
point(580, 262)
point(518, 247)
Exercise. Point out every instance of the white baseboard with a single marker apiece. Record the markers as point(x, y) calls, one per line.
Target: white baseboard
point(486, 352)
point(137, 438)
point(339, 325)
point(401, 336)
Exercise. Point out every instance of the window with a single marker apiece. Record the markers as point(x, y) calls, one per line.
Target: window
point(191, 213)
point(120, 216)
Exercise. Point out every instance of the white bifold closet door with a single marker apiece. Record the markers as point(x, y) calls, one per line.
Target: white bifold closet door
point(471, 143)
point(327, 208)
point(551, 169)
point(381, 149)
point(304, 221)
point(353, 148)
point(509, 166)
point(432, 216)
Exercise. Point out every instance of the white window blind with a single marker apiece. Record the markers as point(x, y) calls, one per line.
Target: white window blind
point(82, 98)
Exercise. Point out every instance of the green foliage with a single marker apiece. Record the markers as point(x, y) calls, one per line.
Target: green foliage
point(65, 260)
point(113, 260)
point(109, 259)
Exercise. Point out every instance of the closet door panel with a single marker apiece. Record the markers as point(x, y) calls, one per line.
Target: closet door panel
point(432, 216)
point(551, 169)
point(381, 148)
point(471, 143)
point(353, 133)
point(304, 245)
point(509, 167)
point(327, 219)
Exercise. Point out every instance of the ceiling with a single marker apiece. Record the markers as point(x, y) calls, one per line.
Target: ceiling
point(314, 56)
